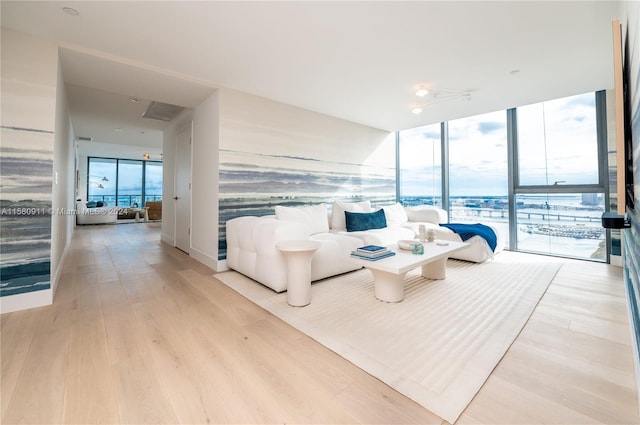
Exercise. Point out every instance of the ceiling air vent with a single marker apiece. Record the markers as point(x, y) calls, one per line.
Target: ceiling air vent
point(85, 139)
point(162, 111)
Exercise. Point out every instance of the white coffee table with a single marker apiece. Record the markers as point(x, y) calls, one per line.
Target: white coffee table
point(298, 254)
point(389, 273)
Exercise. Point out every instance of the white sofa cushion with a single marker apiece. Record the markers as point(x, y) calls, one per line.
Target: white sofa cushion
point(427, 214)
point(332, 258)
point(338, 221)
point(395, 214)
point(314, 216)
point(385, 236)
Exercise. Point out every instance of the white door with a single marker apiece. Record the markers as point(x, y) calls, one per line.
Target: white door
point(182, 196)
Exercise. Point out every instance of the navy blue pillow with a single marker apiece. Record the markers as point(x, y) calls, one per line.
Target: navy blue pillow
point(91, 204)
point(358, 221)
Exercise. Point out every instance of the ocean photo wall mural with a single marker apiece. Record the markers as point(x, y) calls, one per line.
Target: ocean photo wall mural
point(254, 183)
point(26, 168)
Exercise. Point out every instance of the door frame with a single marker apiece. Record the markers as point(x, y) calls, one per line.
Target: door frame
point(184, 128)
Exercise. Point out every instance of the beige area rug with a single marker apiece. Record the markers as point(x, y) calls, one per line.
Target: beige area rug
point(437, 346)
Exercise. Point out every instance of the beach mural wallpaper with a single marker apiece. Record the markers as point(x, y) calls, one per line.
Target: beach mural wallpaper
point(254, 183)
point(632, 235)
point(26, 164)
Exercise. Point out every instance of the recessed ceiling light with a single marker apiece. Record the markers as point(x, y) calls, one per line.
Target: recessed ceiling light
point(133, 99)
point(416, 110)
point(422, 92)
point(119, 130)
point(70, 11)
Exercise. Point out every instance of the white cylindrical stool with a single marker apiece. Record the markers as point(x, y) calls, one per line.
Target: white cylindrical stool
point(298, 255)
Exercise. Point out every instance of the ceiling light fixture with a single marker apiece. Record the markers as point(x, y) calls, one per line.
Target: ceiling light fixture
point(70, 11)
point(133, 99)
point(422, 92)
point(442, 94)
point(118, 130)
point(431, 96)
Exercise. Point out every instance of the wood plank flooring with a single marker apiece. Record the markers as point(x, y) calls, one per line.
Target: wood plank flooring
point(141, 333)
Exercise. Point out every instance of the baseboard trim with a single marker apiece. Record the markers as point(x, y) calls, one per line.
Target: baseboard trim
point(167, 239)
point(205, 259)
point(26, 301)
point(55, 279)
point(222, 266)
point(616, 260)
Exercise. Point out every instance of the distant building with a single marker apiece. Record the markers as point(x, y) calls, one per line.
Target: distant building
point(590, 199)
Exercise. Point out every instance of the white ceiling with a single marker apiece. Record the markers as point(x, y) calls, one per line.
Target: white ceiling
point(360, 61)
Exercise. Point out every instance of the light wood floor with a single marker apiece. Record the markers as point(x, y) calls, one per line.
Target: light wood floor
point(141, 333)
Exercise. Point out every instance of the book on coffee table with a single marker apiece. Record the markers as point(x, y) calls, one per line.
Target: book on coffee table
point(372, 257)
point(372, 249)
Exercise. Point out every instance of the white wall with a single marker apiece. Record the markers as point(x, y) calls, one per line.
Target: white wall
point(255, 124)
point(204, 182)
point(29, 78)
point(63, 198)
point(204, 171)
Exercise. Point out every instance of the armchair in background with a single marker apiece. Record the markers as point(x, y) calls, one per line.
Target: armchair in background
point(154, 210)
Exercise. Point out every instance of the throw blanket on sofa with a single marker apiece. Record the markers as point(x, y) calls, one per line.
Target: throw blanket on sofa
point(467, 231)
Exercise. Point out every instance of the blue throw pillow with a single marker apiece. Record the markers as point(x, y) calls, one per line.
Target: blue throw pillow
point(91, 204)
point(358, 221)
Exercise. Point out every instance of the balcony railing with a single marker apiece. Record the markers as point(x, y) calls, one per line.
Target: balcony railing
point(125, 200)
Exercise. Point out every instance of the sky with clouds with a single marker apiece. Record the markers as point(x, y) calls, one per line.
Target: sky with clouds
point(557, 142)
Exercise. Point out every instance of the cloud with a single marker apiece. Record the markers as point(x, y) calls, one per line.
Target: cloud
point(431, 135)
point(487, 127)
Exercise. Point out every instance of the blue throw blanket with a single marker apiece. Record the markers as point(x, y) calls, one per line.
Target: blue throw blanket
point(467, 231)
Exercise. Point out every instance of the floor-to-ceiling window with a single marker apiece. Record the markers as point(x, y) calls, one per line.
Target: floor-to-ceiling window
point(153, 181)
point(538, 172)
point(130, 183)
point(420, 171)
point(102, 180)
point(478, 170)
point(559, 192)
point(124, 182)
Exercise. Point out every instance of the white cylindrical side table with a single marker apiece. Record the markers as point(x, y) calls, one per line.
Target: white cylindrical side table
point(298, 254)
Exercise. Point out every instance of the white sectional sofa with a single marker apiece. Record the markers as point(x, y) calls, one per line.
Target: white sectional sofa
point(251, 241)
point(93, 214)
